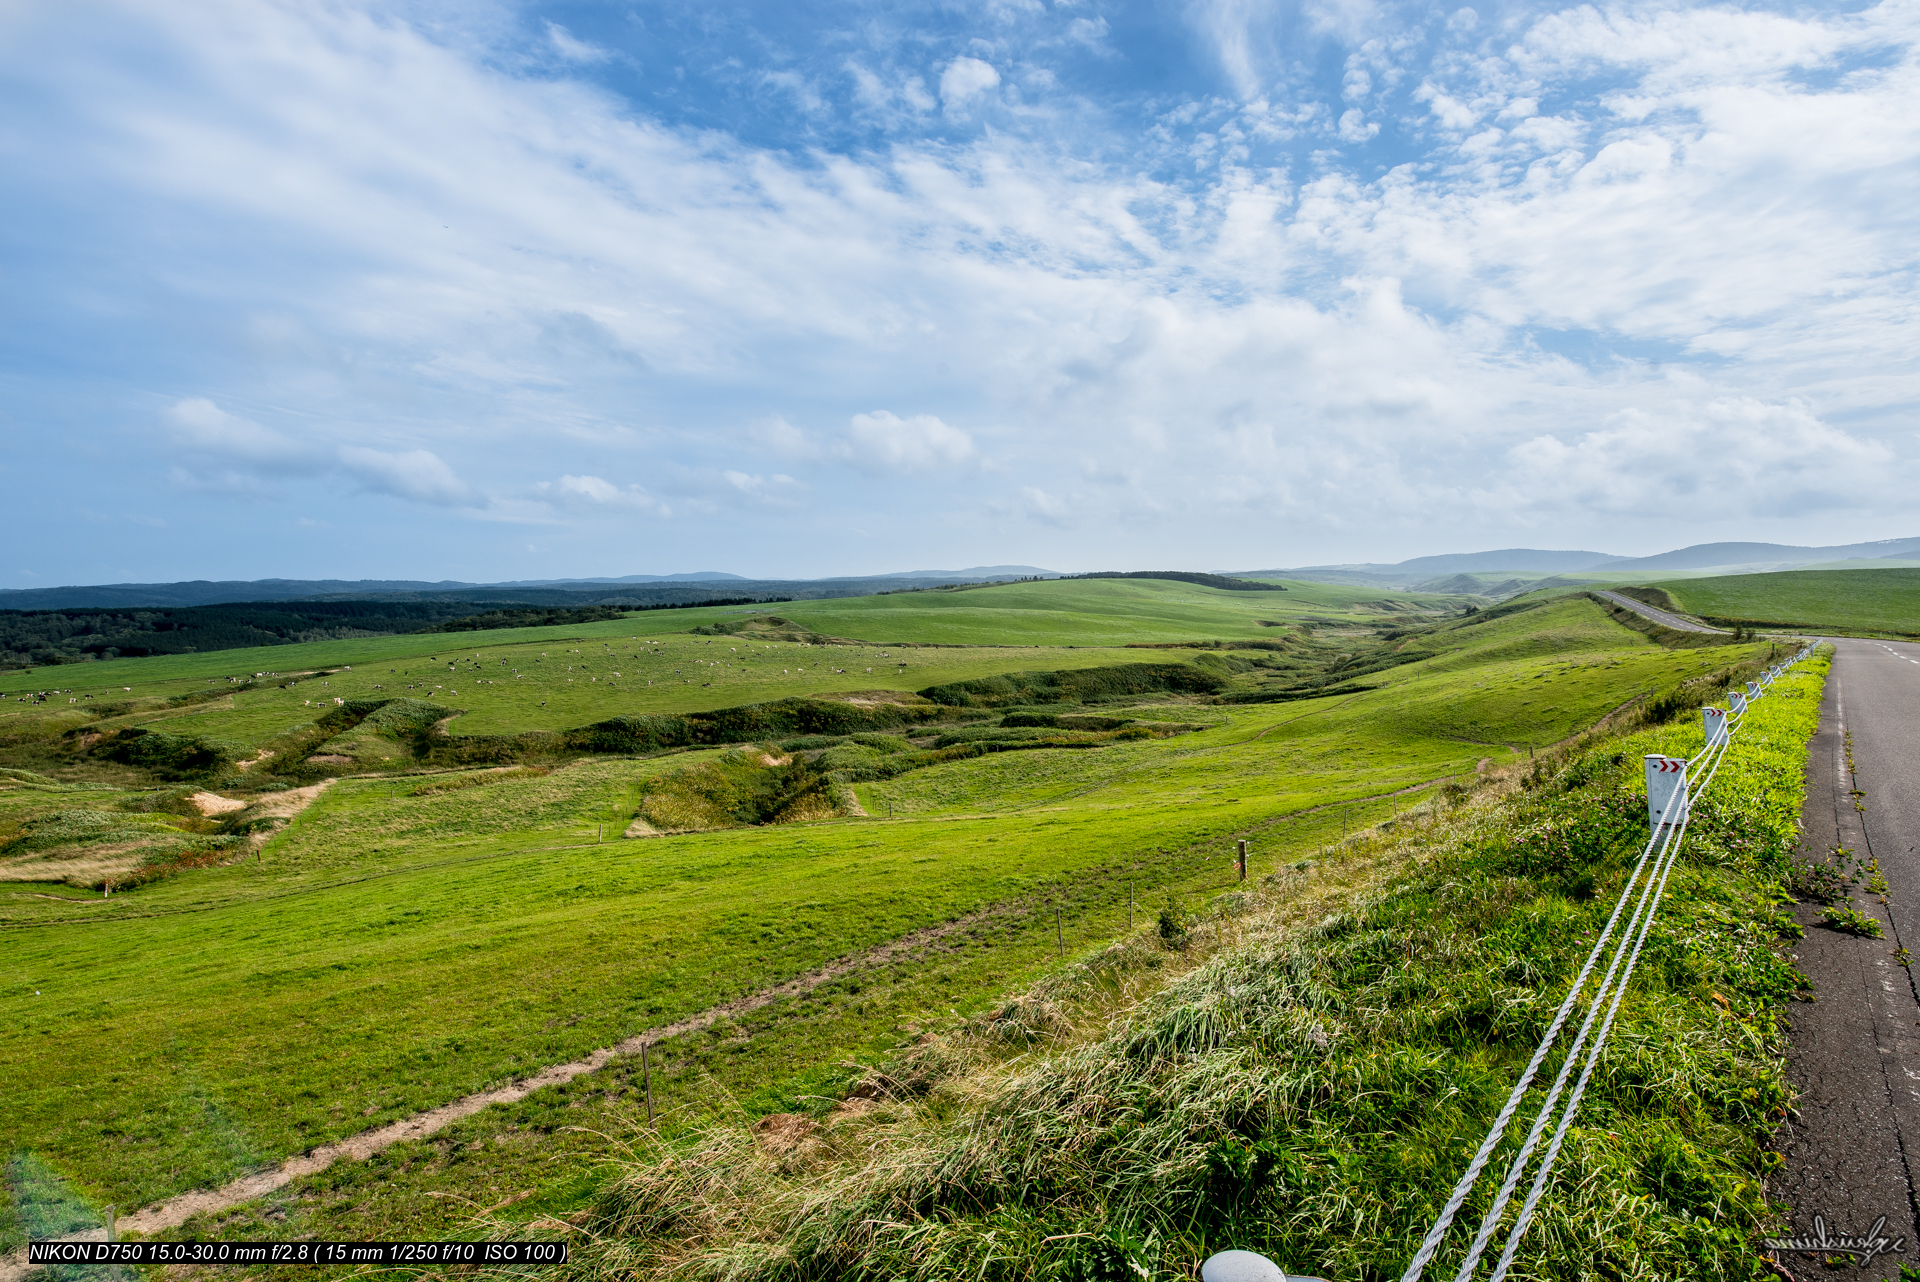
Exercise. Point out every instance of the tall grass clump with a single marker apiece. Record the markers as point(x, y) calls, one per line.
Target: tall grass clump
point(1305, 1071)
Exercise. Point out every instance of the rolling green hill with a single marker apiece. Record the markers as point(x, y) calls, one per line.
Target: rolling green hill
point(1845, 600)
point(408, 933)
point(1100, 612)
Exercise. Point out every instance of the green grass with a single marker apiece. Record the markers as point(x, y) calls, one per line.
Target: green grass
point(559, 686)
point(1847, 600)
point(1096, 612)
point(1056, 613)
point(404, 942)
point(1312, 1088)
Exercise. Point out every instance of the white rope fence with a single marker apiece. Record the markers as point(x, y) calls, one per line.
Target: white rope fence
point(1669, 808)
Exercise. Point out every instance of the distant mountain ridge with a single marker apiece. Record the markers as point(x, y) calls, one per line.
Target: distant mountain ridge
point(635, 588)
point(1706, 556)
point(1423, 572)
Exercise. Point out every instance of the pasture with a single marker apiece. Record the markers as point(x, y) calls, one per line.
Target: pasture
point(413, 936)
point(1845, 600)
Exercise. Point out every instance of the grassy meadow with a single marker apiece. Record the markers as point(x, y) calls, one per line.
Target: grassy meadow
point(417, 933)
point(1304, 1070)
point(1845, 600)
point(1083, 612)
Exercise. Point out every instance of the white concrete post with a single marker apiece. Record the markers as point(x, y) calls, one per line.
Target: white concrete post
point(1666, 790)
point(1736, 702)
point(1713, 721)
point(1753, 691)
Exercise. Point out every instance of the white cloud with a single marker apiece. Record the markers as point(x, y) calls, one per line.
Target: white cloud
point(780, 437)
point(572, 49)
point(966, 79)
point(1729, 457)
point(775, 490)
point(591, 492)
point(1041, 506)
point(885, 442)
point(418, 475)
point(1088, 31)
point(1354, 126)
point(524, 276)
point(201, 426)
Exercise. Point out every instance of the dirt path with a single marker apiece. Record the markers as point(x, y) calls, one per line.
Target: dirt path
point(175, 1211)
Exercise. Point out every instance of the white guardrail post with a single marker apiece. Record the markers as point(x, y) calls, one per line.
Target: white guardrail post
point(1666, 790)
point(1669, 800)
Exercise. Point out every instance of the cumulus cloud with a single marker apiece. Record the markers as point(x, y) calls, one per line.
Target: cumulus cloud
point(885, 442)
point(418, 475)
point(593, 492)
point(966, 79)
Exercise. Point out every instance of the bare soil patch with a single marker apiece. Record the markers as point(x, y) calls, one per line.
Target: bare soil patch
point(212, 803)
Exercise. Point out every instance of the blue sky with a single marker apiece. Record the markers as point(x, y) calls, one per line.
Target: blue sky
point(449, 290)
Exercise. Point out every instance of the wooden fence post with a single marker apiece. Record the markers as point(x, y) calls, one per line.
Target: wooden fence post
point(646, 1079)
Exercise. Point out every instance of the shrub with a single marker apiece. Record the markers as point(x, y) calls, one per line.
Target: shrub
point(1082, 685)
point(170, 756)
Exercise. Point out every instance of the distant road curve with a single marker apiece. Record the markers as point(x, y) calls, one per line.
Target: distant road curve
point(1664, 618)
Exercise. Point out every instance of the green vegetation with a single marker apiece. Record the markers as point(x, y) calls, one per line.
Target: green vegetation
point(1837, 600)
point(1306, 1088)
point(42, 637)
point(418, 880)
point(1079, 612)
point(1225, 582)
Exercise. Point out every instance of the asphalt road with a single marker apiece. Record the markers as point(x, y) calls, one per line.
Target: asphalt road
point(1665, 618)
point(1852, 1149)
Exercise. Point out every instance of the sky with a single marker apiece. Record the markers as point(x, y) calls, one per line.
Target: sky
point(490, 291)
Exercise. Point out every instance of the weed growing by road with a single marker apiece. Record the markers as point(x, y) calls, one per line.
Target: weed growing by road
point(1845, 917)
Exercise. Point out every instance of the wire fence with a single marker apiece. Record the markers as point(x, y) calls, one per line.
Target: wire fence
point(1670, 802)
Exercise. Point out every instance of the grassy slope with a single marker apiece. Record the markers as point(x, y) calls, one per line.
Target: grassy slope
point(490, 937)
point(575, 684)
point(1078, 613)
point(1093, 612)
point(204, 1023)
point(1314, 1086)
point(1855, 600)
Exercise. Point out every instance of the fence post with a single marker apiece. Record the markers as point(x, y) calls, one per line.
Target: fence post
point(1713, 721)
point(1060, 930)
point(1666, 790)
point(1243, 859)
point(646, 1080)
